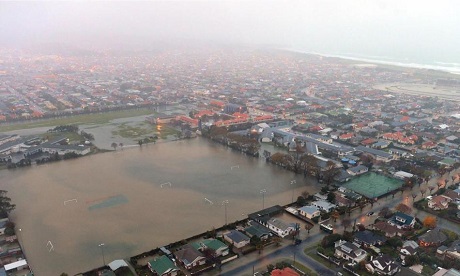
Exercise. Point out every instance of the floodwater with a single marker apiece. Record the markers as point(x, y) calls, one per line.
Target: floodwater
point(117, 198)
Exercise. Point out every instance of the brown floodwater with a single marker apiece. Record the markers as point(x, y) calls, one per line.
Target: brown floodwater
point(120, 200)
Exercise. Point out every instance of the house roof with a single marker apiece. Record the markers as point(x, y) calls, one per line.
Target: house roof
point(386, 262)
point(257, 230)
point(188, 254)
point(161, 265)
point(349, 248)
point(358, 168)
point(117, 264)
point(309, 209)
point(236, 236)
point(213, 244)
point(433, 236)
point(287, 271)
point(369, 237)
point(386, 227)
point(401, 219)
point(280, 224)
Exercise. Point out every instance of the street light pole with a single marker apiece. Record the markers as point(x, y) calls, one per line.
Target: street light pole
point(263, 191)
point(102, 250)
point(21, 241)
point(292, 182)
point(225, 202)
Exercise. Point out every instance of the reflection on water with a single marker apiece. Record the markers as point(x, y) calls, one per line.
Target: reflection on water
point(151, 214)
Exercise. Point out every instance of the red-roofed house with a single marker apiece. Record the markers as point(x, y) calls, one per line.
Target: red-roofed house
point(346, 136)
point(439, 202)
point(429, 145)
point(287, 271)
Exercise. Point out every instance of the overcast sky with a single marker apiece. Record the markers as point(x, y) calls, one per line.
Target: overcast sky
point(412, 28)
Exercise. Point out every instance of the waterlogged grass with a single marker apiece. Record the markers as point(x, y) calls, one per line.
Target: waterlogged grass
point(141, 130)
point(72, 136)
point(95, 118)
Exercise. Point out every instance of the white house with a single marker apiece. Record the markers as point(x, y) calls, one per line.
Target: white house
point(309, 211)
point(384, 265)
point(349, 251)
point(280, 227)
point(360, 169)
point(324, 205)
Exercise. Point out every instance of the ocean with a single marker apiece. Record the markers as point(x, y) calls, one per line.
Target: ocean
point(451, 67)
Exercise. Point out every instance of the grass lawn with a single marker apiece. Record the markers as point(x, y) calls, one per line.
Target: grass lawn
point(95, 118)
point(304, 269)
point(320, 259)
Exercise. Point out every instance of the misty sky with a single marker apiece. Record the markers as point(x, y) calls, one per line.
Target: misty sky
point(419, 29)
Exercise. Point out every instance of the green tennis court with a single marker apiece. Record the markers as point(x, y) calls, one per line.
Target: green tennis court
point(372, 185)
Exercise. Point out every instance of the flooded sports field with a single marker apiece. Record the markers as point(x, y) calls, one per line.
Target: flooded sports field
point(136, 199)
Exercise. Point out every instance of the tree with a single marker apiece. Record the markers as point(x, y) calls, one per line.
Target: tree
point(330, 172)
point(335, 215)
point(384, 212)
point(121, 145)
point(430, 222)
point(331, 197)
point(5, 203)
point(431, 188)
point(308, 227)
point(411, 260)
point(413, 197)
point(114, 145)
point(346, 223)
point(403, 208)
point(423, 191)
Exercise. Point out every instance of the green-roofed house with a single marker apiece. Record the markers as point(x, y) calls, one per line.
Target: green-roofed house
point(259, 231)
point(219, 248)
point(163, 266)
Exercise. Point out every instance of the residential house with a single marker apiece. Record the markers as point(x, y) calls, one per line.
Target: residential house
point(360, 169)
point(163, 266)
point(190, 257)
point(368, 238)
point(402, 221)
point(379, 155)
point(349, 251)
point(454, 195)
point(324, 205)
point(453, 251)
point(381, 144)
point(237, 238)
point(409, 248)
point(384, 265)
point(287, 271)
point(439, 202)
point(432, 238)
point(398, 152)
point(218, 248)
point(258, 230)
point(309, 211)
point(280, 227)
